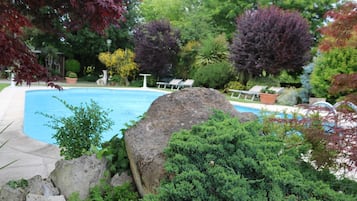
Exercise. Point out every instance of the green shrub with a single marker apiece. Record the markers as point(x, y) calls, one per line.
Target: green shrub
point(71, 74)
point(285, 77)
point(106, 192)
point(328, 64)
point(187, 57)
point(91, 77)
point(77, 133)
point(212, 50)
point(234, 85)
point(22, 183)
point(264, 81)
point(136, 83)
point(214, 75)
point(290, 96)
point(73, 65)
point(305, 92)
point(223, 159)
point(115, 152)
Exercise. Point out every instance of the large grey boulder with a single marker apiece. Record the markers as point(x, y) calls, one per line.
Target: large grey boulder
point(14, 194)
point(78, 175)
point(118, 180)
point(170, 113)
point(40, 186)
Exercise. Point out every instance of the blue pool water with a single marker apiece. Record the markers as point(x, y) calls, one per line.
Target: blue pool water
point(126, 105)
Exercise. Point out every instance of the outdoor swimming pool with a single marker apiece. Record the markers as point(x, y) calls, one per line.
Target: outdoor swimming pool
point(126, 104)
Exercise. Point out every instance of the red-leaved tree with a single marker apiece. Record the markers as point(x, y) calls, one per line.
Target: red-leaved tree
point(342, 29)
point(156, 47)
point(52, 17)
point(271, 40)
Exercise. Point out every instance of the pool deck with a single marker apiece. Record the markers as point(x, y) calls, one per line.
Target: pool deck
point(34, 157)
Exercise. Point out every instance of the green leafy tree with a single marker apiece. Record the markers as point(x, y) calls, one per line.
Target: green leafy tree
point(223, 159)
point(313, 11)
point(197, 19)
point(185, 15)
point(76, 134)
point(328, 64)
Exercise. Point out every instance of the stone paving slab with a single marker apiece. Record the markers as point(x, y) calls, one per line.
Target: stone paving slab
point(32, 157)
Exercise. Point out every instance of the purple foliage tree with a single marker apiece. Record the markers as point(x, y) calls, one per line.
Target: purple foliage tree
point(270, 39)
point(156, 47)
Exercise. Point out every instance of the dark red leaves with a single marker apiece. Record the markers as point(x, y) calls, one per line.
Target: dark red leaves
point(51, 17)
point(271, 40)
point(342, 29)
point(156, 47)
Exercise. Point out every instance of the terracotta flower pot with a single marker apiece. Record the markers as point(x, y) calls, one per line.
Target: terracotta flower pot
point(268, 98)
point(70, 80)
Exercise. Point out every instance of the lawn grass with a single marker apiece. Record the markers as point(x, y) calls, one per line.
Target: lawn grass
point(3, 85)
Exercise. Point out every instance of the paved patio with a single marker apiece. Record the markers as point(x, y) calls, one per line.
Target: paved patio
point(32, 157)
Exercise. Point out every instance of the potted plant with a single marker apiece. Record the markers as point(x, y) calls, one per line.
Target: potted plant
point(71, 77)
point(268, 96)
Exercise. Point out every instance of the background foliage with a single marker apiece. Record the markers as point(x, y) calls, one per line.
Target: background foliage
point(214, 75)
point(328, 64)
point(341, 30)
point(120, 62)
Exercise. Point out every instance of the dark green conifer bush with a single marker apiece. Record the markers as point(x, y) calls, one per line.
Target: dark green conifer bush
point(223, 159)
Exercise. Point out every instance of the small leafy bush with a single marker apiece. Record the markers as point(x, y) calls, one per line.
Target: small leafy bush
point(234, 85)
point(77, 133)
point(115, 152)
point(22, 183)
point(73, 65)
point(71, 74)
point(106, 192)
point(223, 159)
point(214, 75)
point(267, 90)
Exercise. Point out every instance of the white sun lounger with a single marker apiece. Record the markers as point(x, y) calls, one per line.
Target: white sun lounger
point(186, 83)
point(253, 92)
point(174, 83)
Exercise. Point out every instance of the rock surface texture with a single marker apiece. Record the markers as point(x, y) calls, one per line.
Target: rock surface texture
point(38, 188)
point(170, 113)
point(78, 175)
